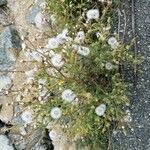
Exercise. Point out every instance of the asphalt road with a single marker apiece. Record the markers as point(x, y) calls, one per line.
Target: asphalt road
point(138, 135)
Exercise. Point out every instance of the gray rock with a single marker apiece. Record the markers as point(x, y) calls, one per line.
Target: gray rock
point(5, 143)
point(3, 2)
point(6, 113)
point(10, 47)
point(30, 17)
point(17, 120)
point(32, 14)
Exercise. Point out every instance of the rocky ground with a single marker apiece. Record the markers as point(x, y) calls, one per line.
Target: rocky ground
point(16, 27)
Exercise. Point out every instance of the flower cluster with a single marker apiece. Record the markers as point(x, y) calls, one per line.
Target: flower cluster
point(77, 82)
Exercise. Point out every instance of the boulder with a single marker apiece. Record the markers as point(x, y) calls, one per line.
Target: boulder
point(5, 143)
point(36, 9)
point(3, 2)
point(10, 47)
point(5, 82)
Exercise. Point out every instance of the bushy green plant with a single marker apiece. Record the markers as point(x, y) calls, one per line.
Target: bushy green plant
point(91, 75)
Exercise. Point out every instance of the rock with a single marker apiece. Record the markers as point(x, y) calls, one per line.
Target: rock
point(32, 14)
point(40, 147)
point(5, 82)
point(2, 19)
point(6, 113)
point(3, 2)
point(5, 143)
point(18, 142)
point(60, 140)
point(42, 21)
point(35, 10)
point(10, 47)
point(17, 119)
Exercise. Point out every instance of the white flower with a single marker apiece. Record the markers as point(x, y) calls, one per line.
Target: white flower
point(68, 95)
point(84, 51)
point(92, 14)
point(54, 135)
point(56, 113)
point(63, 36)
point(100, 110)
point(57, 60)
point(113, 42)
point(80, 37)
point(109, 66)
point(53, 43)
point(98, 34)
point(27, 116)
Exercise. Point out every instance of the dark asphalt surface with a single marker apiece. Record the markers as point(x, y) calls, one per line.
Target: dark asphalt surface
point(138, 135)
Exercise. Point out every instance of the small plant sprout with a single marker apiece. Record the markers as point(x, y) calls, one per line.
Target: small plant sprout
point(92, 14)
point(56, 113)
point(100, 110)
point(68, 95)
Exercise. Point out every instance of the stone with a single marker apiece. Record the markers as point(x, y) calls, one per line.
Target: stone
point(5, 82)
point(32, 14)
point(10, 47)
point(35, 10)
point(5, 143)
point(41, 21)
point(3, 2)
point(6, 113)
point(3, 19)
